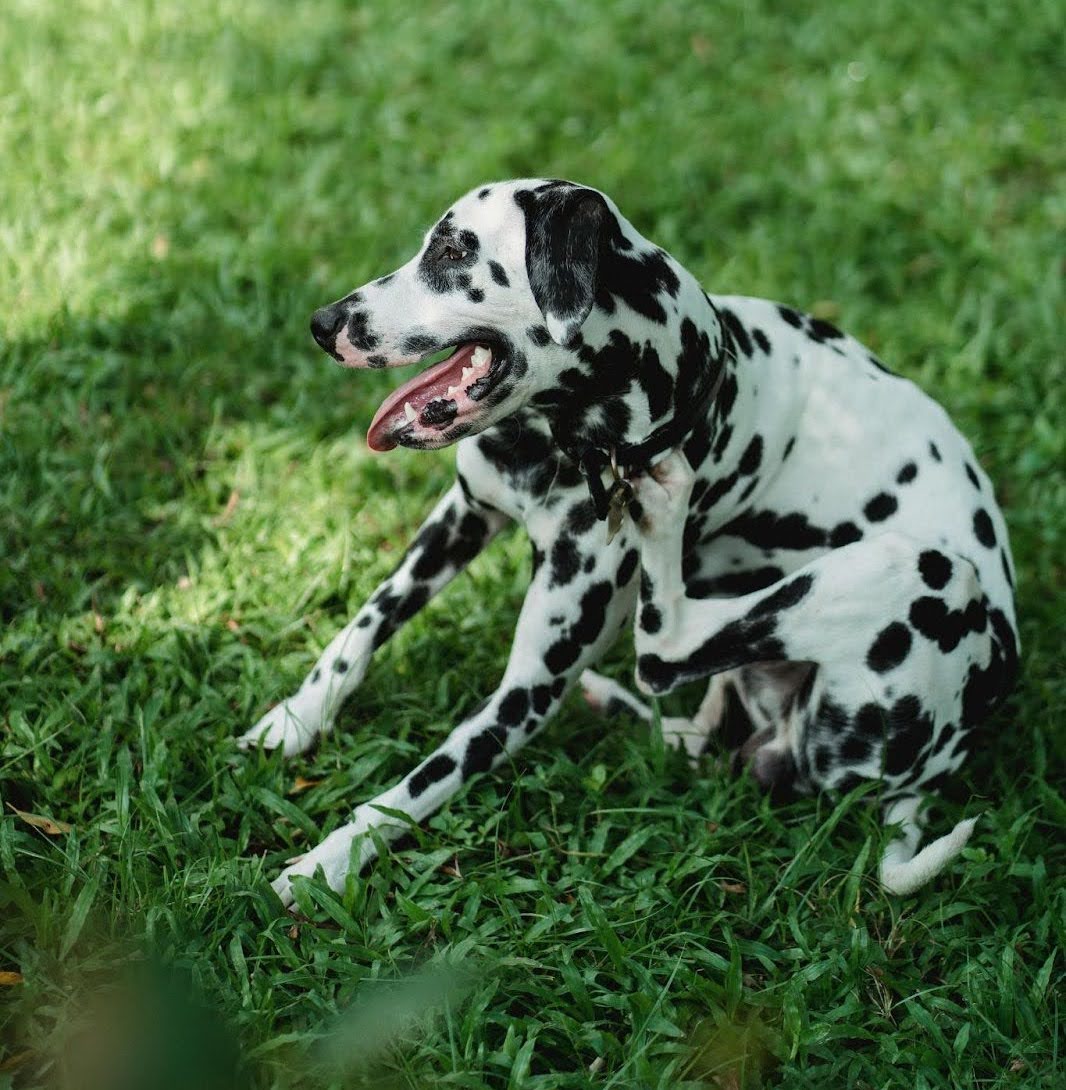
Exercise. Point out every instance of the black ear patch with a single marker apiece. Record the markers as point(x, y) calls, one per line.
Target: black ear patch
point(564, 228)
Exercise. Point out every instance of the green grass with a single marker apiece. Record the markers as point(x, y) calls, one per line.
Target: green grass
point(188, 513)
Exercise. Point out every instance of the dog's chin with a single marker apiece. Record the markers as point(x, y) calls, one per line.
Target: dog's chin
point(442, 404)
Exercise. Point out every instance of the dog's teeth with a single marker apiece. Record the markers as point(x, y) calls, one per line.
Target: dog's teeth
point(453, 390)
point(409, 411)
point(467, 372)
point(481, 356)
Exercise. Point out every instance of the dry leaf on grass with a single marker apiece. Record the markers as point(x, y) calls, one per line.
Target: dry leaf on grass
point(300, 784)
point(46, 825)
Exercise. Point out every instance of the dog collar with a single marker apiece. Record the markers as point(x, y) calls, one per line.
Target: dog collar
point(610, 502)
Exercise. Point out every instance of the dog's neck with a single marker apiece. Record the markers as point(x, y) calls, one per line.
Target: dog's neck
point(646, 391)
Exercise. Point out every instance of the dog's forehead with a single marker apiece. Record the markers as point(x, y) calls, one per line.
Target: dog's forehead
point(491, 213)
point(489, 208)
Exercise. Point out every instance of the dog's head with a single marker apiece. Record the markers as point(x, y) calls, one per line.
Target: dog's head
point(504, 282)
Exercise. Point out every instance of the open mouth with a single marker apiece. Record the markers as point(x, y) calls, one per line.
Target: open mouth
point(441, 396)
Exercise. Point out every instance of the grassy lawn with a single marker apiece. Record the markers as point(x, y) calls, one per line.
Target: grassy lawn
point(188, 513)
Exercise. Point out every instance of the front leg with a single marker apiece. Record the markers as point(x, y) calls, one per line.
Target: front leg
point(663, 494)
point(455, 532)
point(571, 614)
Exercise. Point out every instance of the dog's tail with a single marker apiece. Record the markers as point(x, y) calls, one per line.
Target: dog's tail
point(902, 869)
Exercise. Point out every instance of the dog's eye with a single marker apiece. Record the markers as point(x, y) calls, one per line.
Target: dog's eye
point(453, 253)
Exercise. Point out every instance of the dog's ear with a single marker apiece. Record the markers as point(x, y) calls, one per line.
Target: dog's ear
point(565, 226)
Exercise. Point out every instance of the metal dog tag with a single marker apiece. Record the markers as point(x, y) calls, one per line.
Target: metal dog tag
point(618, 499)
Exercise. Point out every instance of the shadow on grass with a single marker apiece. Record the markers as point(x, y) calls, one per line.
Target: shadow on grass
point(109, 423)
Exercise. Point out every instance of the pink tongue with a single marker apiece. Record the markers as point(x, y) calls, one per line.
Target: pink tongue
point(420, 391)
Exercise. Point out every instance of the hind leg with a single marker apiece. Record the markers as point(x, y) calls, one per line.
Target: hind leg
point(749, 711)
point(910, 654)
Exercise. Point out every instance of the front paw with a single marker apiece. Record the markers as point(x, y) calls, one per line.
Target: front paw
point(293, 725)
point(663, 493)
point(333, 855)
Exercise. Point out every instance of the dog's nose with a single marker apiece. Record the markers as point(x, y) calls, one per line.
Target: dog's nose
point(326, 323)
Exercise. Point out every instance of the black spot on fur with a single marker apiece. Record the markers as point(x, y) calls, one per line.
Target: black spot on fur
point(820, 330)
point(377, 361)
point(788, 596)
point(651, 620)
point(844, 533)
point(636, 279)
point(483, 193)
point(769, 530)
point(656, 381)
point(475, 295)
point(581, 517)
point(626, 568)
point(722, 441)
point(947, 732)
point(736, 330)
point(909, 729)
point(871, 721)
point(946, 627)
point(1006, 568)
point(340, 666)
point(433, 771)
point(317, 675)
point(565, 561)
point(432, 543)
point(483, 749)
point(972, 474)
point(791, 316)
point(986, 686)
point(513, 707)
point(881, 507)
point(855, 748)
point(565, 651)
point(935, 569)
point(907, 473)
point(594, 603)
point(751, 458)
point(734, 583)
point(761, 340)
point(823, 759)
point(359, 333)
point(983, 529)
point(538, 335)
point(418, 344)
point(542, 699)
point(412, 603)
point(891, 647)
point(935, 452)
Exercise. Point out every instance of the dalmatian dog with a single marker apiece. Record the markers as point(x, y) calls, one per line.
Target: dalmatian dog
point(770, 507)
